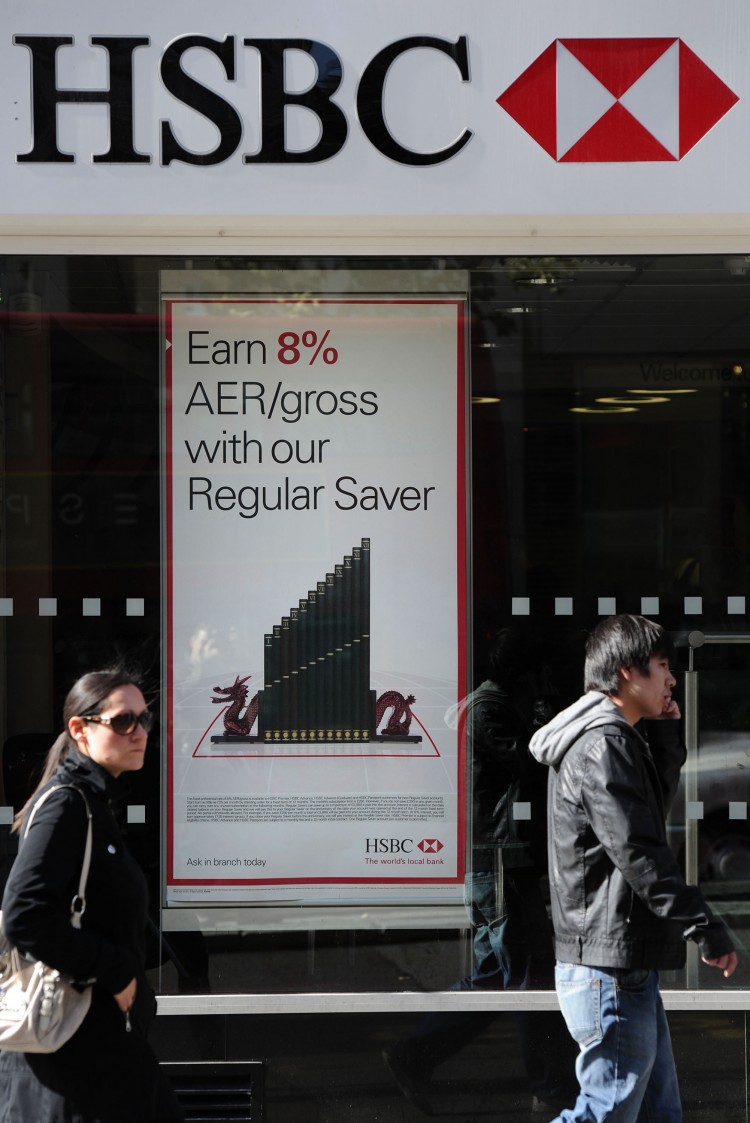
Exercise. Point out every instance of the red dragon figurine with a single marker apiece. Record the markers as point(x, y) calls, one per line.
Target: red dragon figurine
point(235, 723)
point(400, 719)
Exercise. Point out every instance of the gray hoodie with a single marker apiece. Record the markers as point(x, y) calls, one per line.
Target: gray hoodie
point(550, 743)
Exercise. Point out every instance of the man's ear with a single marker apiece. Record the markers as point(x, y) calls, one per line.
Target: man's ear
point(626, 674)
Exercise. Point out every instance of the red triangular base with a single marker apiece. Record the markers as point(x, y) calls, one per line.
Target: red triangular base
point(704, 99)
point(532, 100)
point(616, 138)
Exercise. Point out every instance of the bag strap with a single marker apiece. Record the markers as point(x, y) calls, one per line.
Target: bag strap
point(78, 904)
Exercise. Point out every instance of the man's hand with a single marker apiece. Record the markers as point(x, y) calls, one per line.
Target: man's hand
point(725, 963)
point(671, 710)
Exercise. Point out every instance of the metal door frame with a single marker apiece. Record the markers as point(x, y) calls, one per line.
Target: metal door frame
point(696, 640)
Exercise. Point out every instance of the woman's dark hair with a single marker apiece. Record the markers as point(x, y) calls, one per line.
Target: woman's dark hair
point(86, 696)
point(622, 641)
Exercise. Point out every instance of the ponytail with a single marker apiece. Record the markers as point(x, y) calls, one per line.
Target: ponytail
point(87, 696)
point(52, 762)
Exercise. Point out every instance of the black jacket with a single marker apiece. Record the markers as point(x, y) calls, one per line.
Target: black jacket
point(503, 774)
point(103, 1072)
point(109, 946)
point(618, 896)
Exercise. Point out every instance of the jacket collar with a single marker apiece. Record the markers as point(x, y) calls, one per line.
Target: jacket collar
point(80, 769)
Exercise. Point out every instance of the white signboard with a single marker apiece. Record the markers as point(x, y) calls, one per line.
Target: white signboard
point(488, 108)
point(315, 514)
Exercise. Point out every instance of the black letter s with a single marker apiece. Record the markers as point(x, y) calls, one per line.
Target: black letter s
point(199, 97)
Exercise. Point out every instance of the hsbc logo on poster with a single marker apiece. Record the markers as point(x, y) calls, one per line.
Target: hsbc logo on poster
point(402, 845)
point(617, 100)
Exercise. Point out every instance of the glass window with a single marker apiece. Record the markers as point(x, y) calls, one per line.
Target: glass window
point(607, 471)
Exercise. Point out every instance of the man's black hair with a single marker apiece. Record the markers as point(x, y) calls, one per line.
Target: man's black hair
point(509, 655)
point(622, 641)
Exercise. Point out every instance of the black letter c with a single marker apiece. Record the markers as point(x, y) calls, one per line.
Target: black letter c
point(370, 99)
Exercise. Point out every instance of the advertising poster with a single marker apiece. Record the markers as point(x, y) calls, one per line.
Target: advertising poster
point(316, 596)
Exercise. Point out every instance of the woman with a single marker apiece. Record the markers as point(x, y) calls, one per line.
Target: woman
point(106, 1073)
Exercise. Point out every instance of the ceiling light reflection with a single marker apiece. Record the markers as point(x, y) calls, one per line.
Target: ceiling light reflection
point(609, 409)
point(628, 401)
point(662, 391)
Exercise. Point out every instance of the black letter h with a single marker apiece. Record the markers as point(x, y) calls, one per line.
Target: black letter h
point(45, 97)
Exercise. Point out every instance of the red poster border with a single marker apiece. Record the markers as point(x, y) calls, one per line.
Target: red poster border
point(461, 597)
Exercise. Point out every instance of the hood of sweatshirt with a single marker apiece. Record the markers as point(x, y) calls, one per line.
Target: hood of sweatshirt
point(550, 743)
point(488, 689)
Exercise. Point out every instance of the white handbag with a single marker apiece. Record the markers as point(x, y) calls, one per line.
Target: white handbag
point(40, 1009)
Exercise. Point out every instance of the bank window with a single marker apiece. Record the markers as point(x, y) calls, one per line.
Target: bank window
point(359, 473)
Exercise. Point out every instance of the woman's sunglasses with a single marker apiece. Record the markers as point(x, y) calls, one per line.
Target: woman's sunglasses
point(123, 723)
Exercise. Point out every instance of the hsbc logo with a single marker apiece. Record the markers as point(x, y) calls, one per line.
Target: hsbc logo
point(389, 845)
point(268, 109)
point(617, 100)
point(581, 100)
point(402, 845)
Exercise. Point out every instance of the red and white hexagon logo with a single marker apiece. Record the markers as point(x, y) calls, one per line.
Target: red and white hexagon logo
point(430, 845)
point(617, 100)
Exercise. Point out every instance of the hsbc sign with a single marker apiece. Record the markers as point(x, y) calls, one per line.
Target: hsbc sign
point(318, 100)
point(431, 108)
point(583, 100)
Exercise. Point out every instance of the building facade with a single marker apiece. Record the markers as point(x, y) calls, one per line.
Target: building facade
point(335, 341)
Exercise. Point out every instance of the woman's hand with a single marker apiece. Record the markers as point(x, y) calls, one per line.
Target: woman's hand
point(126, 997)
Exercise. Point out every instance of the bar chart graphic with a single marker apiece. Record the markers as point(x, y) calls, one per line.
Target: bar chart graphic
point(316, 680)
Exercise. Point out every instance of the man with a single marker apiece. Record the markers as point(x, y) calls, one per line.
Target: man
point(621, 909)
point(512, 935)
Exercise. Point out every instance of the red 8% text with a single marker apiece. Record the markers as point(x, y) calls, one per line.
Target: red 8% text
point(291, 346)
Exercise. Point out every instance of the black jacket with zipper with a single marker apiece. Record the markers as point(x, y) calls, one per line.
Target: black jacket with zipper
point(104, 1072)
point(109, 946)
point(618, 895)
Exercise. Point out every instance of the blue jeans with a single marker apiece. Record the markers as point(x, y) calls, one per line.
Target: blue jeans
point(513, 948)
point(512, 934)
point(625, 1066)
